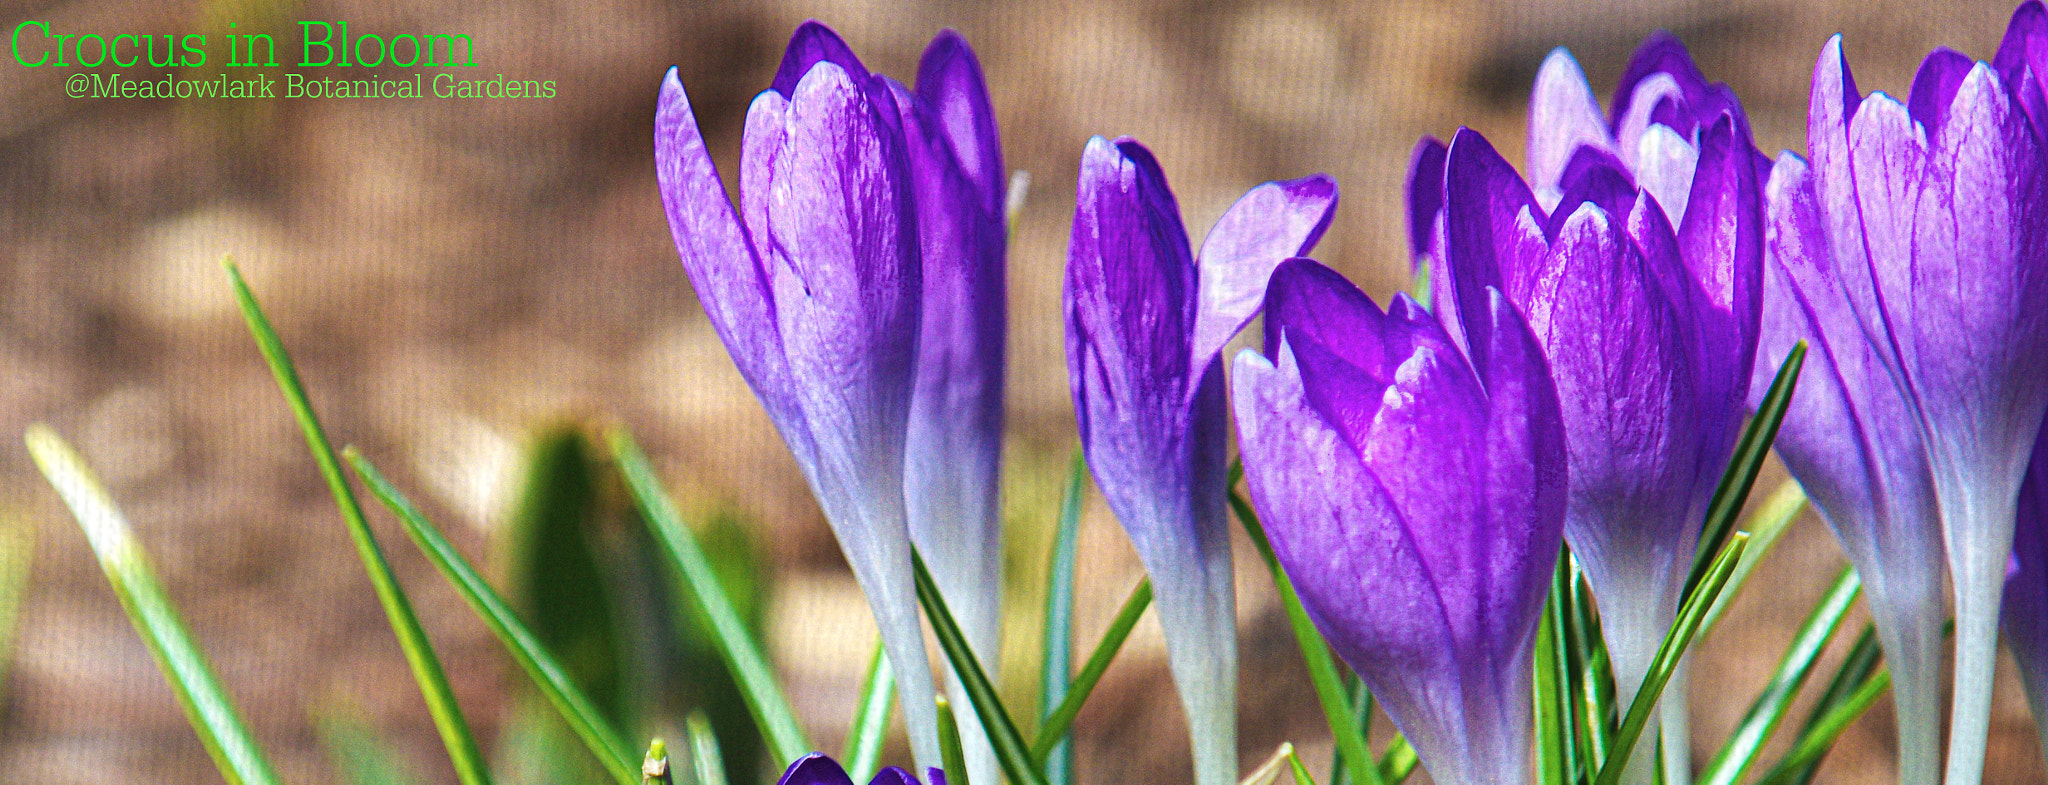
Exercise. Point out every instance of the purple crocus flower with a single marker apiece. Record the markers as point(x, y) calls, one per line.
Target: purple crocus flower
point(814, 286)
point(1850, 439)
point(817, 769)
point(1416, 499)
point(1145, 330)
point(956, 406)
point(1934, 213)
point(1654, 396)
point(2025, 611)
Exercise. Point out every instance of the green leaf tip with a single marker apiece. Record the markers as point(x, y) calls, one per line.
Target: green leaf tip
point(654, 770)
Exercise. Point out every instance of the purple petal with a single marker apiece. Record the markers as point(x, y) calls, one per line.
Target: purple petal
point(815, 769)
point(1660, 54)
point(844, 260)
point(1151, 422)
point(2024, 614)
point(811, 44)
point(1563, 117)
point(1664, 164)
point(1596, 177)
point(950, 84)
point(1268, 225)
point(894, 776)
point(1425, 192)
point(2023, 61)
point(718, 255)
point(1935, 86)
point(1527, 477)
point(1722, 243)
point(1493, 236)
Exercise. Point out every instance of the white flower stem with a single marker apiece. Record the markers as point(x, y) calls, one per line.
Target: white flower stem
point(1978, 527)
point(1910, 630)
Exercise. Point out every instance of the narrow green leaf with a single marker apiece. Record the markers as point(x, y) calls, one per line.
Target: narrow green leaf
point(548, 675)
point(1856, 667)
point(1690, 614)
point(1056, 724)
point(1015, 757)
point(1821, 738)
point(1770, 706)
point(1555, 760)
point(1322, 667)
point(871, 718)
point(704, 755)
point(1399, 762)
point(1743, 465)
point(742, 654)
point(555, 573)
point(1269, 771)
point(1301, 775)
point(358, 753)
point(1765, 527)
point(654, 767)
point(951, 756)
point(207, 706)
point(1057, 660)
point(17, 556)
point(1592, 673)
point(412, 638)
point(1361, 708)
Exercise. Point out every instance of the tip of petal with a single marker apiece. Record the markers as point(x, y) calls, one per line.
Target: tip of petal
point(815, 769)
point(811, 44)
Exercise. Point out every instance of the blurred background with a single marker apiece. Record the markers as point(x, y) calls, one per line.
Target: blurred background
point(467, 283)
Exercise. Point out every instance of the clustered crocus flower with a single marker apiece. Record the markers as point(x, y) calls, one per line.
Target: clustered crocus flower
point(1933, 212)
point(1635, 249)
point(1146, 327)
point(1418, 501)
point(815, 287)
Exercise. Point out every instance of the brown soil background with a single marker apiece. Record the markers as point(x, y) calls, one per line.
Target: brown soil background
point(452, 273)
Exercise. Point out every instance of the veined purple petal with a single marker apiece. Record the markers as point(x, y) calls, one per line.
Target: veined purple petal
point(1493, 236)
point(1721, 241)
point(950, 84)
point(1851, 439)
point(1563, 117)
point(955, 437)
point(1429, 590)
point(1151, 423)
point(1935, 86)
point(817, 769)
point(2023, 61)
point(1425, 192)
point(1596, 177)
point(1271, 223)
point(2024, 614)
point(811, 44)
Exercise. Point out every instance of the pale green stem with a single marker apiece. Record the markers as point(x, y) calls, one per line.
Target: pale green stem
point(1978, 528)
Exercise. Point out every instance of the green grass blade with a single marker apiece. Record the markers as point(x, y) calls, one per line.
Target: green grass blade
point(1591, 671)
point(705, 758)
point(1056, 663)
point(1009, 745)
point(1861, 661)
point(1056, 724)
point(555, 574)
point(412, 638)
point(1301, 775)
point(1555, 753)
point(654, 767)
point(742, 654)
point(362, 757)
point(1322, 667)
point(1361, 707)
point(1399, 762)
point(17, 557)
point(206, 704)
point(1765, 527)
point(1821, 738)
point(951, 756)
point(871, 718)
point(1743, 465)
point(1770, 707)
point(548, 675)
point(1690, 614)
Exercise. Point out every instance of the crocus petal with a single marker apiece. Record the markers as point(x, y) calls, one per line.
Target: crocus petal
point(950, 83)
point(1493, 236)
point(844, 264)
point(811, 44)
point(1151, 423)
point(1851, 439)
point(1425, 191)
point(1935, 86)
point(815, 769)
point(2023, 61)
point(1563, 116)
point(956, 411)
point(1721, 240)
point(1362, 464)
point(1271, 223)
point(1661, 56)
point(2024, 614)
